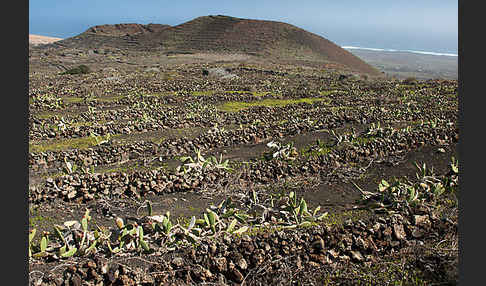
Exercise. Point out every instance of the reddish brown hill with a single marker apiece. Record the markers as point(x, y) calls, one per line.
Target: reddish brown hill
point(122, 36)
point(269, 39)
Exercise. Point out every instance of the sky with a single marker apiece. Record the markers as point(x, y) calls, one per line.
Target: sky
point(430, 25)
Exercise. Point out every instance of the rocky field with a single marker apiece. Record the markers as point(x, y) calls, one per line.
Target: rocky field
point(234, 170)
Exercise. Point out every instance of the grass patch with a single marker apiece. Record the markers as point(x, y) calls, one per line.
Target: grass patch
point(46, 115)
point(235, 106)
point(203, 93)
point(362, 140)
point(81, 69)
point(338, 218)
point(313, 153)
point(254, 93)
point(65, 144)
point(159, 140)
point(72, 99)
point(389, 271)
point(211, 92)
point(35, 221)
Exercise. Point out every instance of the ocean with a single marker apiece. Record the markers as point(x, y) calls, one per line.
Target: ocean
point(393, 50)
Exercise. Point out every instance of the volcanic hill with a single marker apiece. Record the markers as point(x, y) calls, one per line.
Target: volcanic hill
point(222, 34)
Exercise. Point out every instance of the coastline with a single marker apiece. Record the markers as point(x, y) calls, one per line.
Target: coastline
point(394, 50)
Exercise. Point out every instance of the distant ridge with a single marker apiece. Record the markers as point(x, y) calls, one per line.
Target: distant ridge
point(126, 29)
point(223, 34)
point(41, 40)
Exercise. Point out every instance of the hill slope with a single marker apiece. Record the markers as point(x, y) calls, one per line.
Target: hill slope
point(223, 34)
point(267, 38)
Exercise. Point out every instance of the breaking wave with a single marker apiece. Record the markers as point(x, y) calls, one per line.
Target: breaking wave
point(392, 50)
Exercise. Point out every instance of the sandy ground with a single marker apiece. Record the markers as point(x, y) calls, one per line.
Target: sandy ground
point(38, 39)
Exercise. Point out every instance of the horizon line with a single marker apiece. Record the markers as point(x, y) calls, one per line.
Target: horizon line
point(394, 50)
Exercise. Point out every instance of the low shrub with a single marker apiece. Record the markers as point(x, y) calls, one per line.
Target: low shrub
point(410, 80)
point(81, 69)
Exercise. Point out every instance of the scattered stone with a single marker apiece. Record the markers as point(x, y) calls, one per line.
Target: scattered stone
point(220, 73)
point(213, 248)
point(234, 274)
point(242, 264)
point(220, 264)
point(320, 258)
point(417, 233)
point(71, 194)
point(356, 255)
point(152, 69)
point(395, 243)
point(225, 256)
point(177, 261)
point(76, 280)
point(399, 232)
point(318, 244)
point(387, 232)
point(298, 263)
point(115, 79)
point(421, 220)
point(333, 253)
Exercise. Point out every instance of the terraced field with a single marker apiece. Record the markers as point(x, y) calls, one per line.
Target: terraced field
point(276, 175)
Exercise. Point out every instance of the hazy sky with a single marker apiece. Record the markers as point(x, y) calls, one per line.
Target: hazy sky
point(425, 25)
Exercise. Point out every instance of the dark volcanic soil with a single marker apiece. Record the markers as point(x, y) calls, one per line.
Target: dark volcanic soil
point(148, 127)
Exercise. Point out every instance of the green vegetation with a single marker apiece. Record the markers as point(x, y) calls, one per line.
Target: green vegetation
point(71, 143)
point(203, 93)
point(211, 92)
point(339, 218)
point(281, 151)
point(47, 101)
point(390, 271)
point(316, 151)
point(362, 140)
point(235, 106)
point(73, 99)
point(158, 141)
point(46, 115)
point(216, 220)
point(36, 220)
point(328, 92)
point(200, 163)
point(81, 69)
point(254, 93)
point(162, 94)
point(401, 193)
